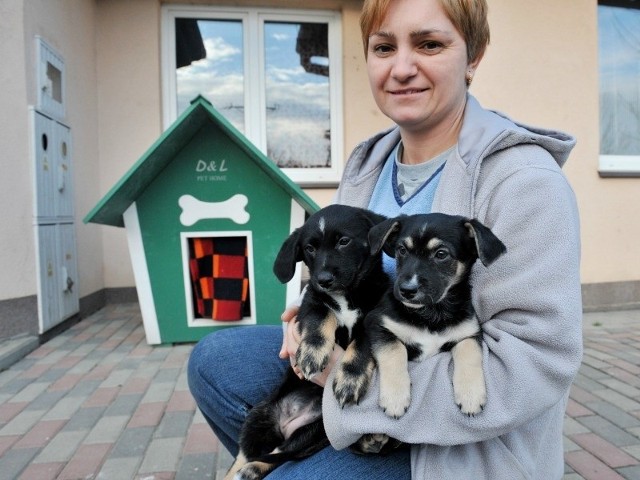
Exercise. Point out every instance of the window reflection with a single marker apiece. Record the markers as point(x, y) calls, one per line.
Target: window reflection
point(210, 61)
point(297, 94)
point(619, 56)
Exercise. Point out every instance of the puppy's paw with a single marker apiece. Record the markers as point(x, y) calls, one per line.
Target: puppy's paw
point(253, 471)
point(350, 387)
point(469, 390)
point(312, 359)
point(395, 394)
point(370, 443)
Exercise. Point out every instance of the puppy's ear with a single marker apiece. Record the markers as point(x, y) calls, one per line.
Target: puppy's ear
point(374, 218)
point(488, 246)
point(290, 253)
point(383, 236)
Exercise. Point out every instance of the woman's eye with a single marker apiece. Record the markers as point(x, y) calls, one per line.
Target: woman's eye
point(382, 49)
point(432, 46)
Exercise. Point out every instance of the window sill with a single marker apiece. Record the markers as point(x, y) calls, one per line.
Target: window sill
point(619, 166)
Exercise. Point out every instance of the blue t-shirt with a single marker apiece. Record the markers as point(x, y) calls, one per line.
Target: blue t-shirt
point(387, 198)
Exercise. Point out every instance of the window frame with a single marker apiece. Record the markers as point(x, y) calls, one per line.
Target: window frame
point(253, 19)
point(617, 165)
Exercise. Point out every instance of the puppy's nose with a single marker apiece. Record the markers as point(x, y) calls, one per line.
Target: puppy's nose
point(325, 279)
point(408, 289)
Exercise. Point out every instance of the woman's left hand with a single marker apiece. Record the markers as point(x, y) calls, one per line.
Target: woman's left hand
point(291, 342)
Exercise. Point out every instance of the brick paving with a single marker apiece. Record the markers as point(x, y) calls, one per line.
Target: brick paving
point(96, 402)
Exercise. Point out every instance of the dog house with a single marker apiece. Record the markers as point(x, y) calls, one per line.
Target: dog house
point(205, 213)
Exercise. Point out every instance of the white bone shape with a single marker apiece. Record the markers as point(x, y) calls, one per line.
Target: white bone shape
point(194, 210)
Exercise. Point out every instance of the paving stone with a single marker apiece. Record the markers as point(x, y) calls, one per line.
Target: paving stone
point(592, 373)
point(6, 442)
point(22, 422)
point(124, 405)
point(132, 443)
point(40, 434)
point(572, 426)
point(107, 430)
point(61, 447)
point(633, 450)
point(158, 392)
point(200, 439)
point(114, 468)
point(162, 455)
point(84, 419)
point(15, 461)
point(196, 467)
point(630, 473)
point(167, 375)
point(621, 401)
point(86, 462)
point(30, 392)
point(8, 410)
point(102, 396)
point(65, 408)
point(147, 415)
point(42, 471)
point(174, 424)
point(608, 431)
point(590, 467)
point(588, 384)
point(605, 451)
point(15, 385)
point(46, 400)
point(117, 378)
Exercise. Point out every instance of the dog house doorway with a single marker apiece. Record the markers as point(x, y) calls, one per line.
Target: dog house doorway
point(218, 278)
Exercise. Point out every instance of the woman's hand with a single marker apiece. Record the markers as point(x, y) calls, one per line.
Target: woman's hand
point(291, 341)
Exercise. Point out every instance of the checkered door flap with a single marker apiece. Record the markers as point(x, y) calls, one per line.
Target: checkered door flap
point(219, 277)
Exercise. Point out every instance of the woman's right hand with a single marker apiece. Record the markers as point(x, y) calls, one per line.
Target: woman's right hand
point(291, 337)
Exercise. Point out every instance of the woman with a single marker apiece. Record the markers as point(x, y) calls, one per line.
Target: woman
point(446, 154)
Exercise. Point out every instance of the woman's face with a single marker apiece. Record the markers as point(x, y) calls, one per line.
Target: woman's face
point(417, 62)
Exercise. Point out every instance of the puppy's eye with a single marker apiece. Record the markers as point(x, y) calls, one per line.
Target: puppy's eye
point(441, 254)
point(401, 250)
point(310, 249)
point(344, 241)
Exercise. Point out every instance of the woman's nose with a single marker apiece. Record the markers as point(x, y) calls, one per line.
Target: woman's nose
point(404, 66)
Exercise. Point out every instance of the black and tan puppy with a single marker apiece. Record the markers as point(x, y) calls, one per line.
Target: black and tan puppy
point(427, 311)
point(345, 282)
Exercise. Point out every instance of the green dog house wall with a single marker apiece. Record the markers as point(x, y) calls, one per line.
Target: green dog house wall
point(202, 178)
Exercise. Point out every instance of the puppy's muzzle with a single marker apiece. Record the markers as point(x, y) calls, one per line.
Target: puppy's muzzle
point(325, 280)
point(408, 289)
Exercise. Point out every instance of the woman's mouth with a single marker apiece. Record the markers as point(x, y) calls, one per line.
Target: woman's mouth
point(408, 91)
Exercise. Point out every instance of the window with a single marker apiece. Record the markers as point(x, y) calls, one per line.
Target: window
point(619, 59)
point(274, 74)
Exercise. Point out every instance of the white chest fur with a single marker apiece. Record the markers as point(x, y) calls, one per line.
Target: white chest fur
point(430, 342)
point(346, 316)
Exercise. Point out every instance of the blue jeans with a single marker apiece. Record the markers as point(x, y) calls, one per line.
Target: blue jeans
point(233, 369)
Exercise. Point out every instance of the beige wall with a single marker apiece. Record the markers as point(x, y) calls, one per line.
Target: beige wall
point(16, 234)
point(129, 102)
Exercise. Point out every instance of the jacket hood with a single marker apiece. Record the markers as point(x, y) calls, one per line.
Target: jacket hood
point(485, 132)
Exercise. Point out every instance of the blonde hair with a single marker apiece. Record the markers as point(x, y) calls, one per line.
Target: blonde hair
point(469, 17)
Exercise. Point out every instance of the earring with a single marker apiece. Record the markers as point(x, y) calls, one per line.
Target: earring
point(468, 78)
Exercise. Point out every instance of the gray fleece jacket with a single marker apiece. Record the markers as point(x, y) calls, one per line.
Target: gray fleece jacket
point(529, 304)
